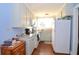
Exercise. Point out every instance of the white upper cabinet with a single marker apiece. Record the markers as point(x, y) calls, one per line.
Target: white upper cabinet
point(19, 13)
point(68, 9)
point(29, 17)
point(23, 12)
point(22, 16)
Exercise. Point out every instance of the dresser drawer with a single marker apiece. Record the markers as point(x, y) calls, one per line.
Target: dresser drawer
point(17, 49)
point(5, 51)
point(22, 52)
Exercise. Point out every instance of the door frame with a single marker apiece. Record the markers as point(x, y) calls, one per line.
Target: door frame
point(75, 31)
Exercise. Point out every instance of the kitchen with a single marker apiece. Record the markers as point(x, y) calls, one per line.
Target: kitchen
point(29, 24)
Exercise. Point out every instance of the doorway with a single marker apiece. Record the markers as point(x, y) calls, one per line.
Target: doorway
point(45, 25)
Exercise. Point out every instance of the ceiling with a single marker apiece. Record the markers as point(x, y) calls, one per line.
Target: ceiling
point(45, 9)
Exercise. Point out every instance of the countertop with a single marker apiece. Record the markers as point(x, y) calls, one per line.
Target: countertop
point(26, 37)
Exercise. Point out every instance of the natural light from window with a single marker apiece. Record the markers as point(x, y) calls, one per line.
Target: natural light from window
point(45, 23)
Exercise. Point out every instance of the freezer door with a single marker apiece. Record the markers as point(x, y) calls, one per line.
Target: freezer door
point(62, 36)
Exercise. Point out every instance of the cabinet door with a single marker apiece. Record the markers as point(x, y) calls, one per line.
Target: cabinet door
point(28, 47)
point(19, 15)
point(31, 43)
point(23, 15)
point(35, 41)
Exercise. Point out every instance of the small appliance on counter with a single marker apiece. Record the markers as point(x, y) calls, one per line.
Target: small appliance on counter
point(27, 31)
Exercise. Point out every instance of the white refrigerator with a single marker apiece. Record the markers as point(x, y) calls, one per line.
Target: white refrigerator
point(61, 40)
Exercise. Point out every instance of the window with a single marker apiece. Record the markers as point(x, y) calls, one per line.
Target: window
point(45, 23)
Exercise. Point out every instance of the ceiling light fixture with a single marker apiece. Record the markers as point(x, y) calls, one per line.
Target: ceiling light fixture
point(46, 14)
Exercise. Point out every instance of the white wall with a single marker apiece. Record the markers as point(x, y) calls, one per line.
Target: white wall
point(11, 15)
point(5, 21)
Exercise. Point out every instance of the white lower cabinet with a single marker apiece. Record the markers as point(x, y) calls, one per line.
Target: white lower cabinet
point(36, 42)
point(29, 47)
point(31, 43)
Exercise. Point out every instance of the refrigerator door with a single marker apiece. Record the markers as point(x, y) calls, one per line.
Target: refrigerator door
point(62, 36)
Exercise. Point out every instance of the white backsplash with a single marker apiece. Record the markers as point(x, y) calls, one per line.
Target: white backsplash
point(18, 32)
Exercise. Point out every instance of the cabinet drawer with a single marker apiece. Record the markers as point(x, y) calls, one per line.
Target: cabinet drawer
point(17, 49)
point(5, 51)
point(21, 47)
point(22, 52)
point(19, 52)
point(16, 53)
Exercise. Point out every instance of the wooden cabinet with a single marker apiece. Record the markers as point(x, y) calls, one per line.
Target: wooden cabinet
point(5, 51)
point(18, 49)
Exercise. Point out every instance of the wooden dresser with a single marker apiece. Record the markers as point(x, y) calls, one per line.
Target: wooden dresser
point(16, 49)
